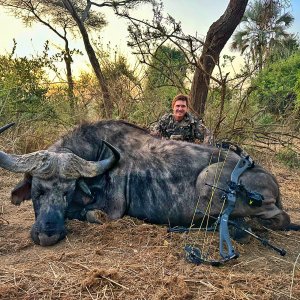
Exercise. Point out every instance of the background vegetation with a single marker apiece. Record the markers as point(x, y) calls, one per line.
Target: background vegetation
point(256, 104)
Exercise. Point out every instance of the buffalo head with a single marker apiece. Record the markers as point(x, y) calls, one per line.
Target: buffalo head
point(50, 180)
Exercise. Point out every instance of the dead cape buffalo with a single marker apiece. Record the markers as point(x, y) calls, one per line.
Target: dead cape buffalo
point(120, 169)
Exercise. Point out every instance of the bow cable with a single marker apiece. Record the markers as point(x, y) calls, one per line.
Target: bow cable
point(217, 177)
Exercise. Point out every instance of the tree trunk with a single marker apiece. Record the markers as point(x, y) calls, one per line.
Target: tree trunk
point(93, 59)
point(217, 36)
point(68, 62)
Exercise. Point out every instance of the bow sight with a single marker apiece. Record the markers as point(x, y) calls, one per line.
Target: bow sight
point(226, 250)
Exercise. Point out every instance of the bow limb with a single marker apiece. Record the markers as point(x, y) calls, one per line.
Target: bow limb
point(242, 165)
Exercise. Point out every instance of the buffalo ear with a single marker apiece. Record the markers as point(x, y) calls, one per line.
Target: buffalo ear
point(84, 187)
point(83, 194)
point(22, 191)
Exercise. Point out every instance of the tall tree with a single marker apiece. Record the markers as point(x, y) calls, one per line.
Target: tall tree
point(264, 31)
point(167, 67)
point(53, 17)
point(23, 89)
point(80, 16)
point(147, 36)
point(166, 76)
point(80, 13)
point(217, 36)
point(83, 17)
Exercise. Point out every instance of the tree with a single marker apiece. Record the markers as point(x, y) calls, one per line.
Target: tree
point(54, 18)
point(166, 68)
point(263, 31)
point(123, 84)
point(203, 56)
point(75, 15)
point(166, 75)
point(80, 13)
point(80, 16)
point(23, 89)
point(216, 38)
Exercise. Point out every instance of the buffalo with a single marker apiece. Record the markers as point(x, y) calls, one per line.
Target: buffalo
point(120, 169)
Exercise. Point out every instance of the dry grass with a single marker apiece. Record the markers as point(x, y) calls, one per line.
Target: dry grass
point(128, 259)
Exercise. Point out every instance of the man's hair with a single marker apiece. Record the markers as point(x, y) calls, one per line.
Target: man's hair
point(181, 97)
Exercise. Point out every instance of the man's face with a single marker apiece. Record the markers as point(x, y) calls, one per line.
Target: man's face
point(179, 110)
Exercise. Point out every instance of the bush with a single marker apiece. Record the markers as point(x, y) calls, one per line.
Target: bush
point(289, 157)
point(277, 85)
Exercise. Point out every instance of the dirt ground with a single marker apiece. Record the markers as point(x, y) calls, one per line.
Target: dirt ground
point(129, 259)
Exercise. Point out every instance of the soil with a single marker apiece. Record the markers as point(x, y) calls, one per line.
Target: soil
point(130, 259)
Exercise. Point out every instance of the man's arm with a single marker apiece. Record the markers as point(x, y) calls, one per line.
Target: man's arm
point(203, 133)
point(199, 130)
point(158, 128)
point(155, 129)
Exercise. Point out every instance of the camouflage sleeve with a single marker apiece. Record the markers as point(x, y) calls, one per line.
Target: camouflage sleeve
point(157, 127)
point(199, 130)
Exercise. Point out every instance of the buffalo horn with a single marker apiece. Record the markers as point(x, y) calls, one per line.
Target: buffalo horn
point(31, 163)
point(45, 164)
point(95, 168)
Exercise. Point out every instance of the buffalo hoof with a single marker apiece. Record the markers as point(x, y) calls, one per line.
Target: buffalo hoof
point(96, 216)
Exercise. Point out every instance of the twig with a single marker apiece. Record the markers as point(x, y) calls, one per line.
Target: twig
point(2, 220)
point(69, 242)
point(116, 283)
point(89, 293)
point(279, 292)
point(247, 262)
point(293, 275)
point(207, 284)
point(55, 276)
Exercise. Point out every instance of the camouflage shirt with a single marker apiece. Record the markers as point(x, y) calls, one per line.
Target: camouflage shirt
point(188, 129)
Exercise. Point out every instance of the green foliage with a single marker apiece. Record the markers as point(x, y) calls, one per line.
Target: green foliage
point(22, 94)
point(152, 105)
point(265, 119)
point(122, 82)
point(277, 86)
point(297, 90)
point(263, 34)
point(26, 98)
point(168, 67)
point(289, 157)
point(166, 75)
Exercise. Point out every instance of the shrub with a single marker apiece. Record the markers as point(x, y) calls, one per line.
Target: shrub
point(289, 157)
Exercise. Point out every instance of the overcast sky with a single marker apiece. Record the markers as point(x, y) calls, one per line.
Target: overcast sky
point(195, 16)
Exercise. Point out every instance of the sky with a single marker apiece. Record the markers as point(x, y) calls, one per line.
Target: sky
point(195, 15)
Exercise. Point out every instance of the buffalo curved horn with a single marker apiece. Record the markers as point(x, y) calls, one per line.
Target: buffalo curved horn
point(31, 163)
point(6, 127)
point(112, 160)
point(45, 164)
point(95, 168)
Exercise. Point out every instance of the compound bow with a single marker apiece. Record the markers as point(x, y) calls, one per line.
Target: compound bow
point(226, 249)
